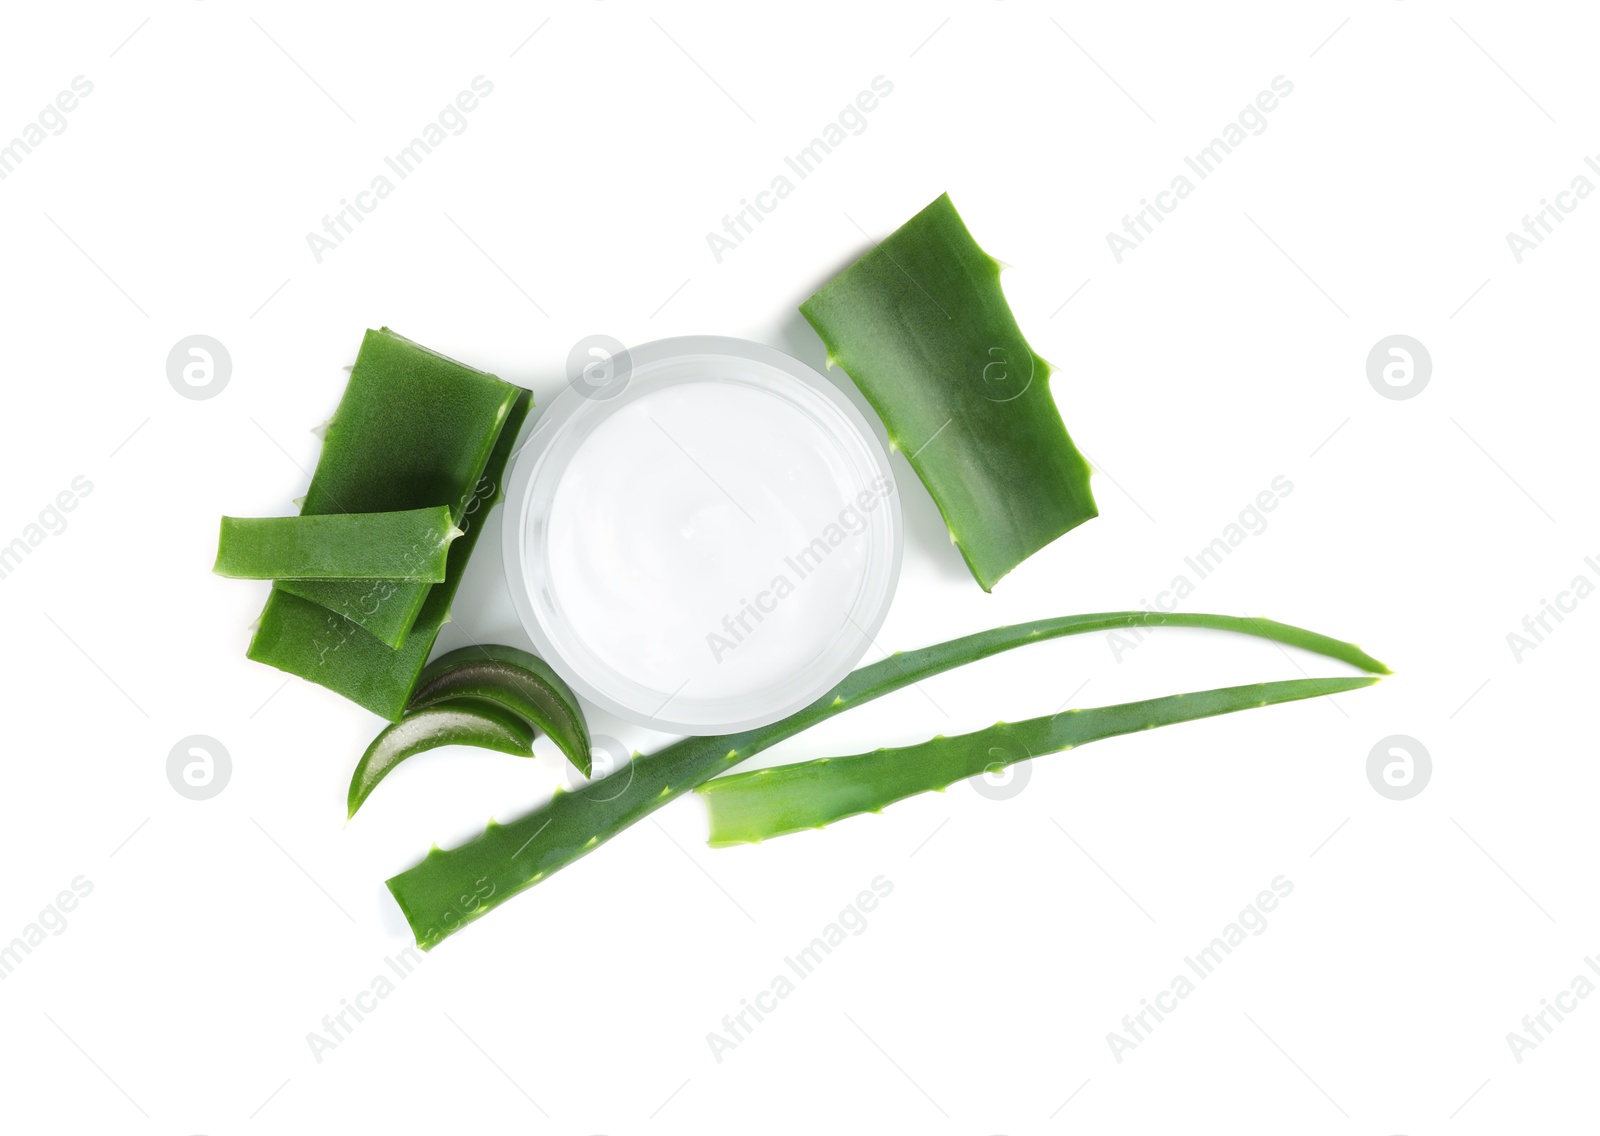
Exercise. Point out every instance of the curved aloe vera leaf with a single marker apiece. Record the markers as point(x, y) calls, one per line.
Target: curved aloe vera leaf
point(411, 546)
point(514, 680)
point(747, 808)
point(482, 725)
point(308, 640)
point(922, 327)
point(413, 430)
point(450, 889)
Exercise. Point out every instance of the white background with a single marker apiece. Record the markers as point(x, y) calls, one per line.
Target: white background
point(1228, 349)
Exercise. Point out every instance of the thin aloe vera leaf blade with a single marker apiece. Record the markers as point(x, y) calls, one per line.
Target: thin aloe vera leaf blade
point(413, 430)
point(410, 546)
point(515, 680)
point(485, 726)
point(449, 889)
point(746, 808)
point(306, 639)
point(922, 327)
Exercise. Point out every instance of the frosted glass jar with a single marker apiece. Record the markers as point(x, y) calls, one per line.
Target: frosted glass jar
point(705, 542)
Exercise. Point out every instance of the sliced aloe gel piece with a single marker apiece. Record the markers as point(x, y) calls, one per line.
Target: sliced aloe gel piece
point(450, 888)
point(413, 430)
point(482, 725)
point(922, 327)
point(747, 808)
point(514, 680)
point(308, 640)
point(411, 546)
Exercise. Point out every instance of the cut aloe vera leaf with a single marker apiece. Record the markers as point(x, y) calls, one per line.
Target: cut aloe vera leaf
point(308, 640)
point(483, 725)
point(747, 808)
point(450, 889)
point(922, 327)
point(516, 681)
point(413, 430)
point(410, 546)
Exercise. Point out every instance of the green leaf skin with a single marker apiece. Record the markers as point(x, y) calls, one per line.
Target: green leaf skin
point(922, 327)
point(516, 681)
point(413, 430)
point(747, 808)
point(483, 725)
point(308, 640)
point(411, 546)
point(450, 889)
